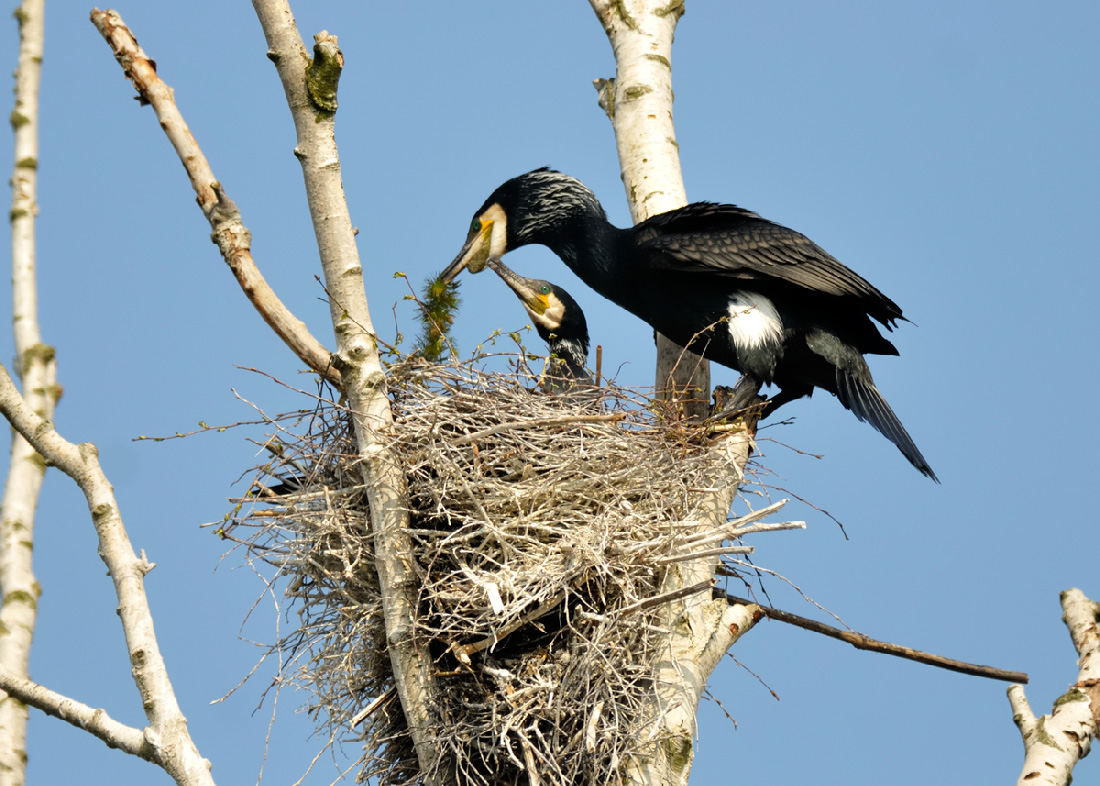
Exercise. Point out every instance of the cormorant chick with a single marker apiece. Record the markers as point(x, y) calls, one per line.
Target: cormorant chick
point(560, 323)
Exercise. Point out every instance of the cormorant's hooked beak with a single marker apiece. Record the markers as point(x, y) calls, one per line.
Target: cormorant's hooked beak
point(473, 255)
point(487, 238)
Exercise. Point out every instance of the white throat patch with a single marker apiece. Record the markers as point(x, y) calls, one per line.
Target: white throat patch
point(551, 318)
point(498, 240)
point(753, 321)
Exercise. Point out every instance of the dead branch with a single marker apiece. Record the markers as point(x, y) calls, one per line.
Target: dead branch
point(174, 749)
point(228, 230)
point(862, 642)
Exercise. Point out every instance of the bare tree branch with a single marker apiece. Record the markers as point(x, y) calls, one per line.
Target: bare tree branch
point(311, 98)
point(229, 232)
point(17, 511)
point(94, 721)
point(862, 642)
point(167, 732)
point(1054, 743)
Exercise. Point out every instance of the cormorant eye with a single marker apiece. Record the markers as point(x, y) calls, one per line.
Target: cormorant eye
point(476, 226)
point(544, 290)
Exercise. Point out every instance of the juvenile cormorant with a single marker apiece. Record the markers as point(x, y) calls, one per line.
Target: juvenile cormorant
point(734, 287)
point(559, 321)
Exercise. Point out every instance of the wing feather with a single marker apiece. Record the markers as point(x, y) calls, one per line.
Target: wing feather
point(726, 240)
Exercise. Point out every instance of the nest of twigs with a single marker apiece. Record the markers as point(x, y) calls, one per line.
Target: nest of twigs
point(539, 524)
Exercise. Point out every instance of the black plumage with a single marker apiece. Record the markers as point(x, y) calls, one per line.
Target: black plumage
point(740, 290)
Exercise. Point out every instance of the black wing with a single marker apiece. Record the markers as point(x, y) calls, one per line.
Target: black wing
point(727, 240)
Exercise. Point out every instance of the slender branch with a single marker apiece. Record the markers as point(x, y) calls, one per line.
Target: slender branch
point(1054, 743)
point(862, 642)
point(94, 721)
point(18, 587)
point(229, 232)
point(175, 751)
point(312, 104)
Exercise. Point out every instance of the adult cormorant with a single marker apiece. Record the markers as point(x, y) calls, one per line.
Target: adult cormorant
point(734, 287)
point(560, 323)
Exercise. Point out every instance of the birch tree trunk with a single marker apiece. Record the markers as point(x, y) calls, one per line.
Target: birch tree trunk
point(639, 103)
point(1054, 743)
point(36, 364)
point(364, 382)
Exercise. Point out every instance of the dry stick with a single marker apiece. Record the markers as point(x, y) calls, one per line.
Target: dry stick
point(373, 707)
point(364, 381)
point(667, 597)
point(94, 721)
point(233, 239)
point(1054, 743)
point(539, 423)
point(719, 552)
point(167, 732)
point(18, 587)
point(862, 642)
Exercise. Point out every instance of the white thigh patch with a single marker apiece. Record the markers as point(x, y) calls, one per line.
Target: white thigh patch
point(753, 321)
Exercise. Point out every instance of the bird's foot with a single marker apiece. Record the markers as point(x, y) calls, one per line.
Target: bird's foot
point(743, 400)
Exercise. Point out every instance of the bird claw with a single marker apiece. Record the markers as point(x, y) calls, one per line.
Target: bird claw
point(745, 396)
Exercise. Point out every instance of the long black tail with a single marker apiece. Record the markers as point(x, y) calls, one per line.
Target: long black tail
point(862, 398)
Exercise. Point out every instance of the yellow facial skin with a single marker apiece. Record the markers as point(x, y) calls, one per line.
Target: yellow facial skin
point(538, 304)
point(479, 246)
point(488, 238)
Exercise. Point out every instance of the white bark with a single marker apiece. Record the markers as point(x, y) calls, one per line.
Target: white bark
point(364, 382)
point(166, 733)
point(1054, 743)
point(639, 103)
point(94, 721)
point(17, 585)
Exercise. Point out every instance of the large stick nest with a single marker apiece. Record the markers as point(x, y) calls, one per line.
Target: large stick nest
point(539, 524)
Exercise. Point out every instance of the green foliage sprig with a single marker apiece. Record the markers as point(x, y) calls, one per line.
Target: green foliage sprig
point(437, 313)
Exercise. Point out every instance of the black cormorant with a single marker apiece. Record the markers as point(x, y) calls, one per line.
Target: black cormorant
point(560, 323)
point(734, 287)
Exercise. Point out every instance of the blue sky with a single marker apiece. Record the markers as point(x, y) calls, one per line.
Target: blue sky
point(945, 151)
